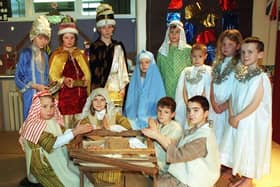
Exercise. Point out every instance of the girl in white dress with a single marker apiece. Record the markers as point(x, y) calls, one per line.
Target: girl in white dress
point(227, 56)
point(250, 116)
point(194, 80)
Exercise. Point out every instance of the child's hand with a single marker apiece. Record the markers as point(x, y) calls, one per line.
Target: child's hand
point(68, 82)
point(82, 129)
point(234, 121)
point(39, 87)
point(153, 124)
point(223, 106)
point(85, 81)
point(151, 133)
point(122, 92)
point(105, 124)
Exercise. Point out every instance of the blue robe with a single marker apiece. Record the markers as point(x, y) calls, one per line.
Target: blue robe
point(27, 74)
point(142, 96)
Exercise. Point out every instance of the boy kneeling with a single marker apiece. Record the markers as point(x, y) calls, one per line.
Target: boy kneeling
point(194, 160)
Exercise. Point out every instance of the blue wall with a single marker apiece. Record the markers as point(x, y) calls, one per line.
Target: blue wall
point(125, 32)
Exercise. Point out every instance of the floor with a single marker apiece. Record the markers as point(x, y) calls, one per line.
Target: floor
point(12, 167)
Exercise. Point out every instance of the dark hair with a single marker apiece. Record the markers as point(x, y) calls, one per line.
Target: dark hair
point(61, 40)
point(200, 47)
point(168, 102)
point(201, 100)
point(257, 41)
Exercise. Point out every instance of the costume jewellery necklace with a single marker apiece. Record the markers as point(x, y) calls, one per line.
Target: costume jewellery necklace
point(218, 75)
point(198, 76)
point(244, 74)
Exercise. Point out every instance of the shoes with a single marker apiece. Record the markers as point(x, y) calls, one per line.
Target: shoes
point(26, 183)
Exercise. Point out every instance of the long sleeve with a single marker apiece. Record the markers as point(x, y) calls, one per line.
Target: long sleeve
point(63, 139)
point(23, 77)
point(123, 121)
point(189, 151)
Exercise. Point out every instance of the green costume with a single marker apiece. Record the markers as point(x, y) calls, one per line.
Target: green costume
point(171, 66)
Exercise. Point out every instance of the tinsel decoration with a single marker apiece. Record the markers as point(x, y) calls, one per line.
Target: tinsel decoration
point(228, 5)
point(190, 31)
point(171, 16)
point(175, 4)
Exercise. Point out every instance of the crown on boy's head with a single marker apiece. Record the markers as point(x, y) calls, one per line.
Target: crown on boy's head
point(67, 25)
point(104, 15)
point(41, 25)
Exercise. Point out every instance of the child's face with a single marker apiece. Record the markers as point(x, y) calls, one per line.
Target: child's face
point(174, 35)
point(40, 41)
point(68, 40)
point(250, 54)
point(229, 47)
point(106, 31)
point(98, 103)
point(198, 57)
point(164, 115)
point(144, 65)
point(196, 114)
point(47, 108)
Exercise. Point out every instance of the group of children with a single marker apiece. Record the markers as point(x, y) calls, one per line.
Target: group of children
point(192, 139)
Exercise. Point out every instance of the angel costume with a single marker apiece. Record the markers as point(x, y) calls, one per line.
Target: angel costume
point(247, 149)
point(197, 82)
point(46, 154)
point(222, 80)
point(143, 93)
point(171, 60)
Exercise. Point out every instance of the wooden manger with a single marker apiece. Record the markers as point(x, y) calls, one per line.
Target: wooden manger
point(125, 159)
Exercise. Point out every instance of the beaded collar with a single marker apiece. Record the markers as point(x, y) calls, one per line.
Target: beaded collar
point(218, 76)
point(244, 74)
point(198, 76)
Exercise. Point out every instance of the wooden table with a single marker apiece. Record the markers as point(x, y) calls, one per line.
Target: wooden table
point(131, 160)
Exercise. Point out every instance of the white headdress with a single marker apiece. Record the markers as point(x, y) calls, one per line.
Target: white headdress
point(40, 26)
point(164, 48)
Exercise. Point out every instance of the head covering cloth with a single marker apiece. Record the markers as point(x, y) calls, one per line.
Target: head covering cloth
point(142, 97)
point(97, 92)
point(34, 126)
point(164, 48)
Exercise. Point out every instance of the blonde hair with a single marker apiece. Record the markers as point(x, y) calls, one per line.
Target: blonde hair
point(200, 47)
point(233, 35)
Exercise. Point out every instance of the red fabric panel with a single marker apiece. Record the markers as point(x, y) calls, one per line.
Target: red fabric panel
point(276, 95)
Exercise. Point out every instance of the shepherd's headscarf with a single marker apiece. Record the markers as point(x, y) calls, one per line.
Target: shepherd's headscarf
point(34, 126)
point(164, 48)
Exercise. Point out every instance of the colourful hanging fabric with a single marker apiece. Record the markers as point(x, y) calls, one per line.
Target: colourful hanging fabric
point(271, 9)
point(171, 16)
point(175, 4)
point(227, 5)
